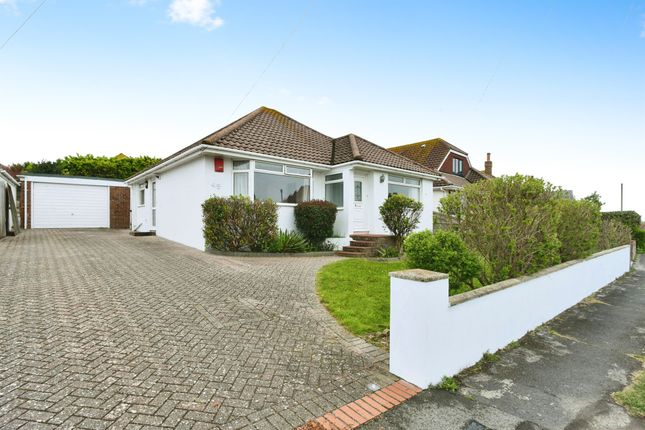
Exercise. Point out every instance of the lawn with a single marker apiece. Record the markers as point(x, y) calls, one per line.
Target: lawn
point(357, 293)
point(633, 396)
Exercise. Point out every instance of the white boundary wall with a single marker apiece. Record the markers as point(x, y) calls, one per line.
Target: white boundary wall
point(432, 335)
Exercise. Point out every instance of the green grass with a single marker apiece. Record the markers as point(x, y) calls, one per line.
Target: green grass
point(448, 383)
point(633, 396)
point(357, 293)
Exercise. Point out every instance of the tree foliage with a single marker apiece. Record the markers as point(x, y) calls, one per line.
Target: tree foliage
point(579, 228)
point(512, 221)
point(401, 215)
point(118, 167)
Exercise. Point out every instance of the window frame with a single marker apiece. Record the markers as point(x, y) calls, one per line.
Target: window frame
point(284, 172)
point(404, 183)
point(459, 163)
point(142, 196)
point(336, 181)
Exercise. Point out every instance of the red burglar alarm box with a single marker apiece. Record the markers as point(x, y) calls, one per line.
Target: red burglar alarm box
point(219, 164)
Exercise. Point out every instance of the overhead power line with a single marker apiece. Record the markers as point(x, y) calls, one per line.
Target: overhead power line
point(277, 53)
point(33, 12)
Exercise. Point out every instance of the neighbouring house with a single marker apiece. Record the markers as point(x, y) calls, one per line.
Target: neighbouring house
point(56, 201)
point(268, 155)
point(9, 186)
point(452, 162)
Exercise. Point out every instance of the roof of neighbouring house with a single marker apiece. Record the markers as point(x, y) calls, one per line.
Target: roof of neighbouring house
point(8, 172)
point(268, 132)
point(429, 152)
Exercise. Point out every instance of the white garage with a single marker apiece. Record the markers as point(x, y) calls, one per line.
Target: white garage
point(53, 201)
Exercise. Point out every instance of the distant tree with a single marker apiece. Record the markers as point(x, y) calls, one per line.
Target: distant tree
point(594, 198)
point(118, 167)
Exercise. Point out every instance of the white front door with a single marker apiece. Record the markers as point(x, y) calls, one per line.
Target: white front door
point(359, 213)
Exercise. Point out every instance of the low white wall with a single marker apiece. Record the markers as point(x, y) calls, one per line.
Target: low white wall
point(432, 335)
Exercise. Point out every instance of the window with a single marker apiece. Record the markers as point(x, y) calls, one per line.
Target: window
point(334, 189)
point(281, 188)
point(457, 166)
point(154, 204)
point(407, 186)
point(281, 183)
point(358, 191)
point(142, 196)
point(241, 177)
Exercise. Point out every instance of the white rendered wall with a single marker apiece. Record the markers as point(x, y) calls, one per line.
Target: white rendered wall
point(180, 194)
point(436, 199)
point(430, 338)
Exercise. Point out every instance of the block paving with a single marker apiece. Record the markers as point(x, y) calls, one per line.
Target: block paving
point(99, 329)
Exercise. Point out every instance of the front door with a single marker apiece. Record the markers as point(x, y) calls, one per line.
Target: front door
point(359, 217)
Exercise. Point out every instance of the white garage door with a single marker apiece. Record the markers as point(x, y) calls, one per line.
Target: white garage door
point(70, 206)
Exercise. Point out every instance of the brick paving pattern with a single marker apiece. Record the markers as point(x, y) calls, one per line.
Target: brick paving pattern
point(99, 329)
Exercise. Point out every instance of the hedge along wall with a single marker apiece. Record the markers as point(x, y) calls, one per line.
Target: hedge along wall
point(432, 335)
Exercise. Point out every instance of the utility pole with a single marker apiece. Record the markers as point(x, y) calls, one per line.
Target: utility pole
point(621, 196)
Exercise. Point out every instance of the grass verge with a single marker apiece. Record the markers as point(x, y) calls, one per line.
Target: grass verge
point(633, 396)
point(357, 293)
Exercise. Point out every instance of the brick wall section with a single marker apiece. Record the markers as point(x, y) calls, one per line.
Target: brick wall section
point(119, 207)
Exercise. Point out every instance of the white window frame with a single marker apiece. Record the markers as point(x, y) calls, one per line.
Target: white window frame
point(153, 201)
point(459, 163)
point(335, 181)
point(253, 168)
point(249, 175)
point(141, 199)
point(404, 183)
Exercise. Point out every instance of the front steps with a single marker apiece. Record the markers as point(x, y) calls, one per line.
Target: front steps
point(366, 245)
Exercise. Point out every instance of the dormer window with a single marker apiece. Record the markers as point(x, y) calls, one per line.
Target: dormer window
point(457, 166)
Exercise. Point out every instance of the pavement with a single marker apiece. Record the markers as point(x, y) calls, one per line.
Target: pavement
point(99, 329)
point(560, 377)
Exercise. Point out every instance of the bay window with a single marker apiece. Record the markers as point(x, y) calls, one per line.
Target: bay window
point(281, 183)
point(410, 187)
point(241, 177)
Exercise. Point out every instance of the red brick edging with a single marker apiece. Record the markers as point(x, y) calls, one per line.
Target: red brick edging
point(365, 409)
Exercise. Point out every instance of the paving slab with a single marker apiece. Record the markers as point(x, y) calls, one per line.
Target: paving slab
point(102, 329)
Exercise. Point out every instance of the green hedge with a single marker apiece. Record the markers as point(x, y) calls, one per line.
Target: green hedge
point(639, 237)
point(315, 219)
point(238, 224)
point(631, 219)
point(445, 252)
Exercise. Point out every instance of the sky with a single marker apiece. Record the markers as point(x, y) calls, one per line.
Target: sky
point(554, 89)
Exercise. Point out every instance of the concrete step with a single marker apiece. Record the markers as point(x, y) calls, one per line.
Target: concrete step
point(365, 243)
point(358, 248)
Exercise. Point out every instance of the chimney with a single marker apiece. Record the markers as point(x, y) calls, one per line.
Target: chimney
point(488, 165)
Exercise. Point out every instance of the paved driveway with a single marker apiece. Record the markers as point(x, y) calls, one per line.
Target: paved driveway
point(100, 329)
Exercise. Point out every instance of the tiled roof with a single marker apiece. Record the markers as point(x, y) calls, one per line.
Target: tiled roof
point(475, 175)
point(269, 132)
point(450, 179)
point(9, 171)
point(428, 153)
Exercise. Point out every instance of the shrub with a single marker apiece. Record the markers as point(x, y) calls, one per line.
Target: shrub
point(639, 236)
point(630, 218)
point(613, 233)
point(237, 223)
point(289, 241)
point(579, 228)
point(387, 252)
point(400, 214)
point(512, 221)
point(444, 251)
point(315, 219)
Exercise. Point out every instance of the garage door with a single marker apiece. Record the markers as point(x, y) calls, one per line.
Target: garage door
point(70, 206)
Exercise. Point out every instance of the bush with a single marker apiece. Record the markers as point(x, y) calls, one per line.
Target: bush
point(613, 233)
point(639, 236)
point(400, 214)
point(315, 219)
point(444, 251)
point(512, 221)
point(579, 228)
point(289, 241)
point(630, 218)
point(236, 223)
